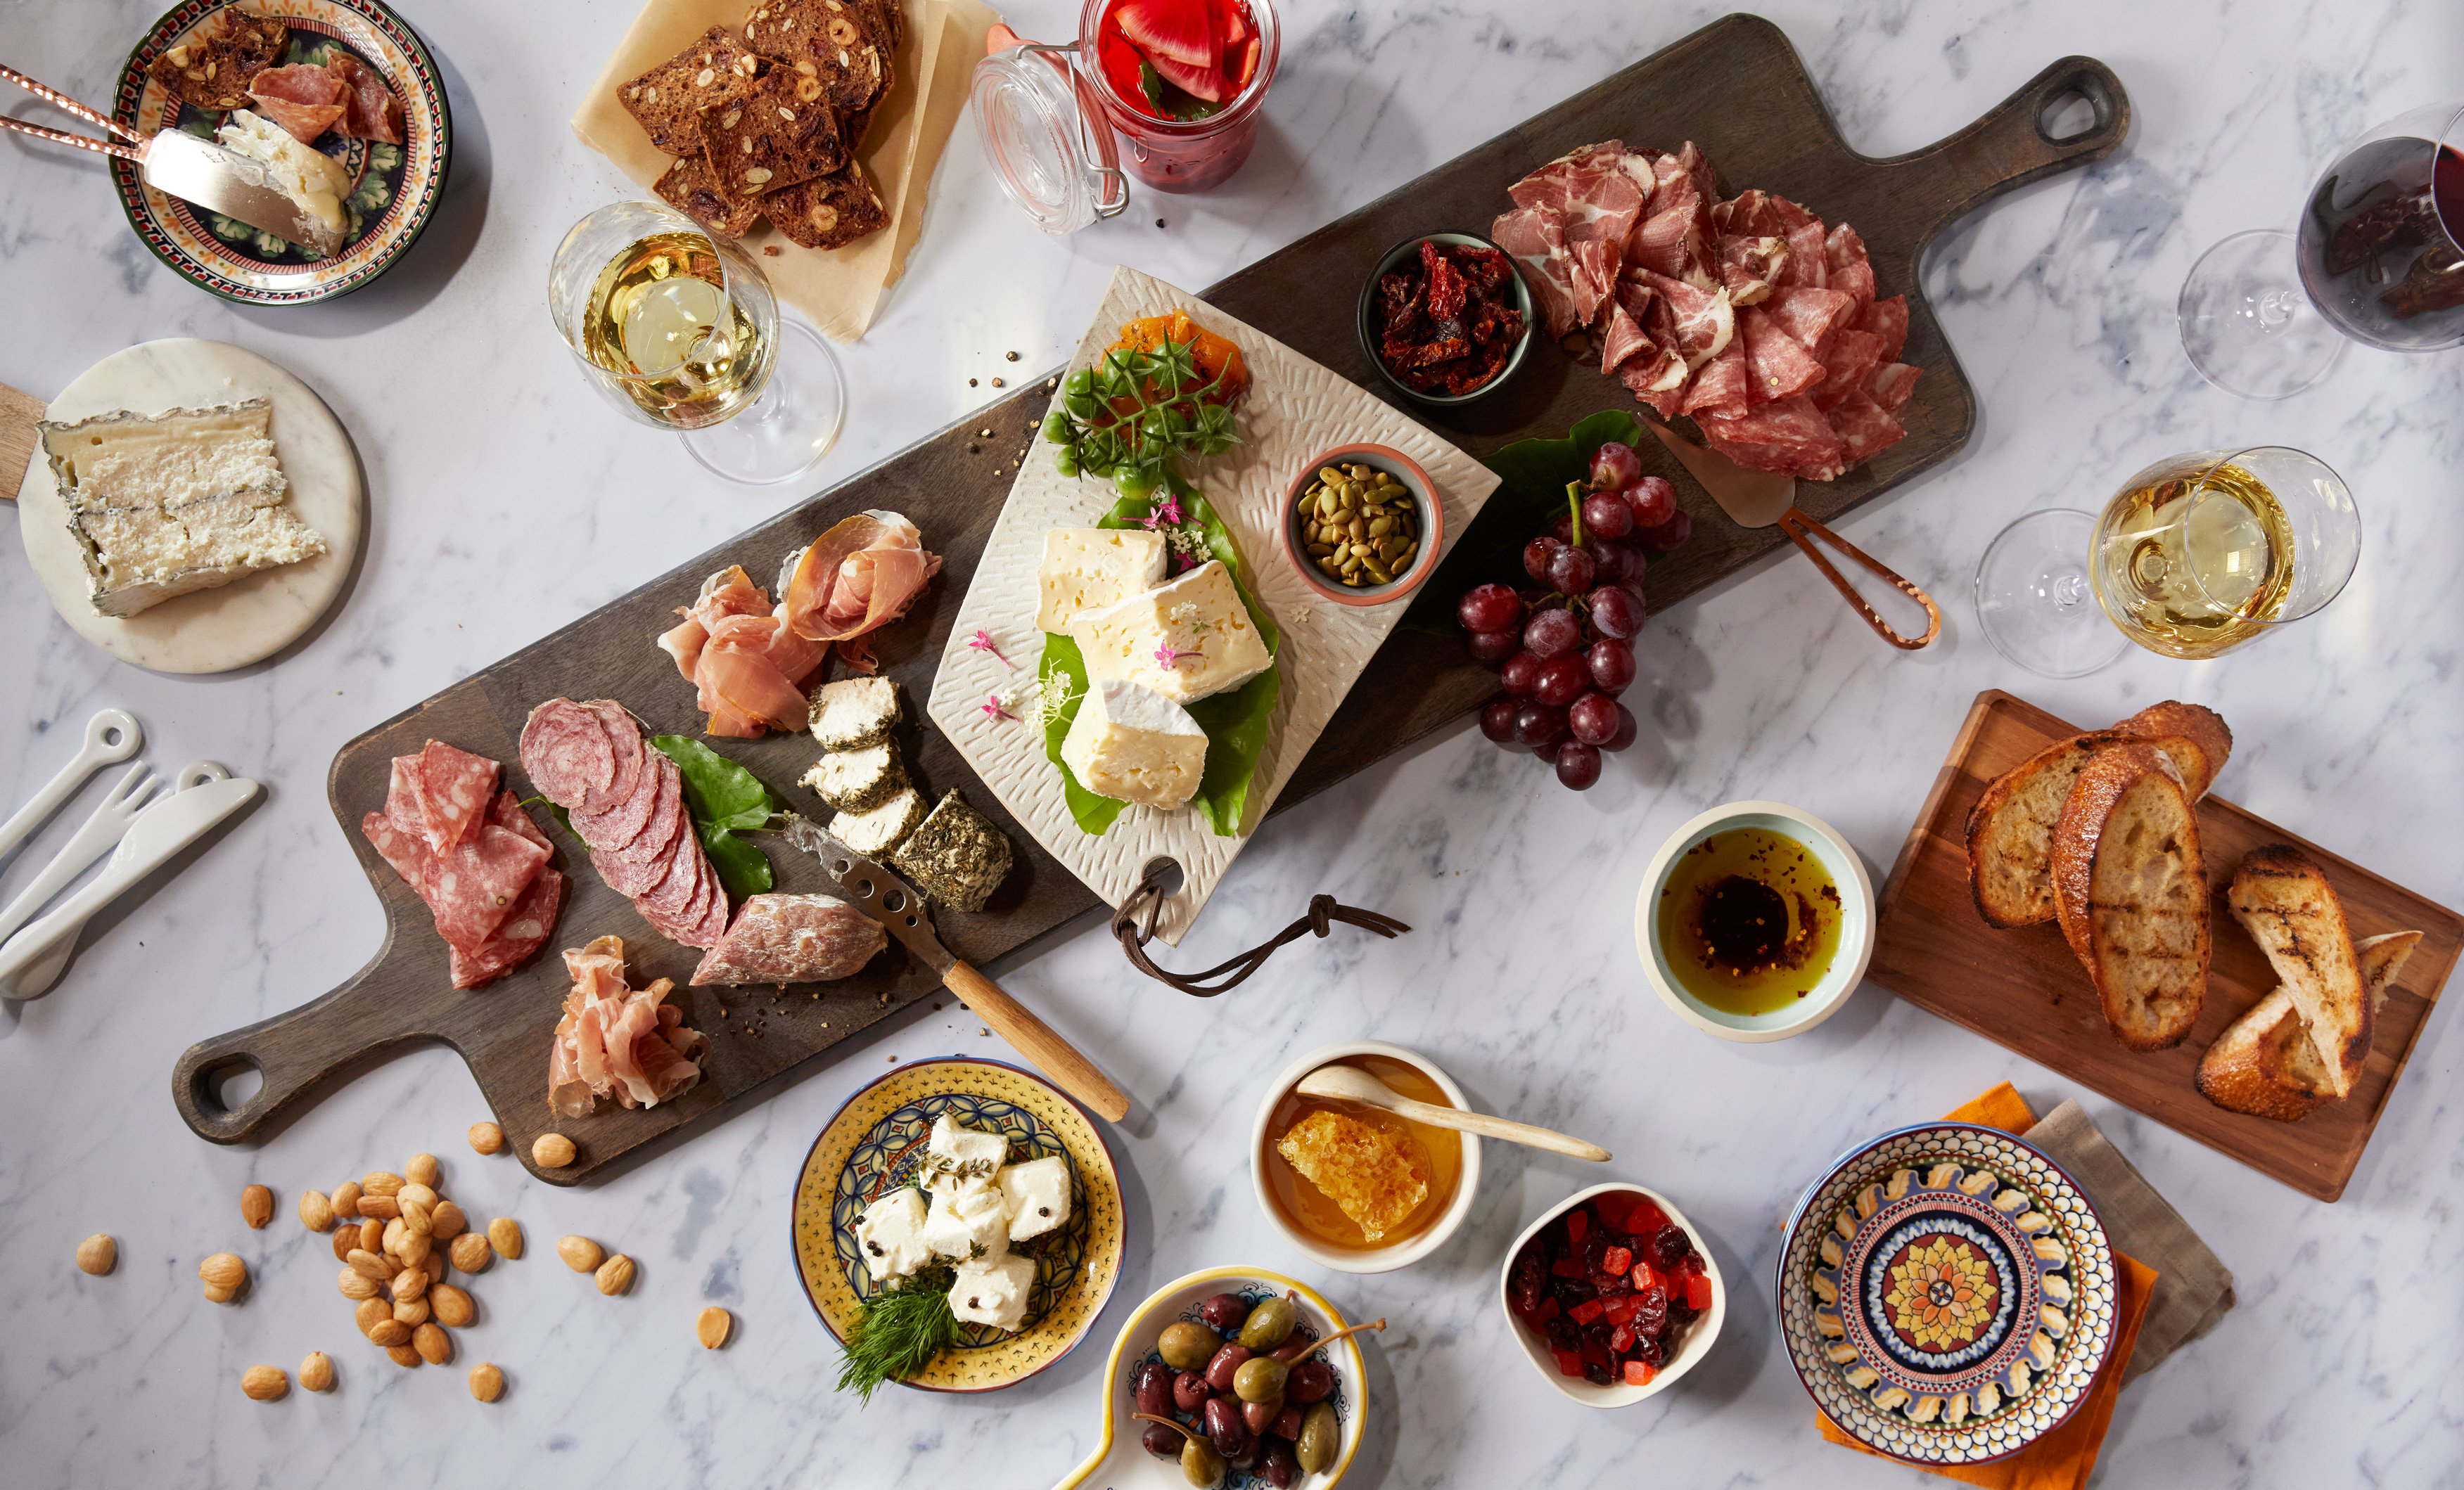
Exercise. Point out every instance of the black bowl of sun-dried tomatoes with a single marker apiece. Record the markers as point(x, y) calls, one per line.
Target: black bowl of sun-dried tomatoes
point(1446, 317)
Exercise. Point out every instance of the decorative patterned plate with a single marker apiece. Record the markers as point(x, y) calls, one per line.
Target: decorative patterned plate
point(395, 189)
point(1948, 1294)
point(874, 1145)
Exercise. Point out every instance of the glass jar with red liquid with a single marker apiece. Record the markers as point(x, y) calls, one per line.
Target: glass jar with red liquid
point(1169, 89)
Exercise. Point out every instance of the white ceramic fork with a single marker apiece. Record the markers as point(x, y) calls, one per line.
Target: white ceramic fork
point(99, 836)
point(111, 735)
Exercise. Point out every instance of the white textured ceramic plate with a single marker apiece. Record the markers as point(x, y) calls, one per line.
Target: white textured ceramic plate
point(1294, 408)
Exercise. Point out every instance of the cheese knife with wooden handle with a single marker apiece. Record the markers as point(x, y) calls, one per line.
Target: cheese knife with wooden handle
point(890, 901)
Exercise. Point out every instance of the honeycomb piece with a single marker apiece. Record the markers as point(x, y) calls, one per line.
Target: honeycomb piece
point(1378, 1178)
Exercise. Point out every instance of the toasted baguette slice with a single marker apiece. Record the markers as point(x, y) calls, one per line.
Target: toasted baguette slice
point(2131, 893)
point(2284, 902)
point(2265, 1063)
point(2010, 829)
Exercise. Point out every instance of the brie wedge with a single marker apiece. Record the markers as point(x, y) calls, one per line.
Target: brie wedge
point(314, 181)
point(1090, 568)
point(1188, 640)
point(183, 500)
point(1134, 744)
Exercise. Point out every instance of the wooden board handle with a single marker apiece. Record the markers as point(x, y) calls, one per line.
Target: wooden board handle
point(18, 415)
point(296, 1053)
point(2008, 147)
point(1037, 1041)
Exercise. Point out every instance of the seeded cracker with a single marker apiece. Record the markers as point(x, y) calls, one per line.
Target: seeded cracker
point(690, 187)
point(211, 69)
point(955, 856)
point(770, 138)
point(829, 211)
point(1377, 1179)
point(669, 98)
point(846, 43)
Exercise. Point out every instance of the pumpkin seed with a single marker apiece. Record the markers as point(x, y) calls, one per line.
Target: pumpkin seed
point(1381, 525)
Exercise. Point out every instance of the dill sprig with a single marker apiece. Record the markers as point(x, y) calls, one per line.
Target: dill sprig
point(899, 1332)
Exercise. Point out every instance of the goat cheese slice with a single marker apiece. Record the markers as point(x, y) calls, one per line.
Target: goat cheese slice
point(968, 1219)
point(964, 1151)
point(993, 1292)
point(891, 1234)
point(1188, 640)
point(1090, 568)
point(1038, 1195)
point(1133, 743)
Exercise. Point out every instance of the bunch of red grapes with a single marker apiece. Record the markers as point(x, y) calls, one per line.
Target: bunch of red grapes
point(1564, 649)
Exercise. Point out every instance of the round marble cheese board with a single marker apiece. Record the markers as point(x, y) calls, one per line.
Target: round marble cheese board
point(249, 619)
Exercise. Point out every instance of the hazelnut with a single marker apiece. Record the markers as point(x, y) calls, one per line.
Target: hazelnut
point(552, 1150)
point(487, 1383)
point(256, 1206)
point(316, 1212)
point(505, 1237)
point(97, 1254)
point(487, 1138)
point(712, 1327)
point(580, 1253)
point(264, 1383)
point(616, 1275)
point(316, 1372)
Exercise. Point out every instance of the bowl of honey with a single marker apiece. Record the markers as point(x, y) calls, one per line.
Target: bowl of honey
point(1358, 1188)
point(1755, 921)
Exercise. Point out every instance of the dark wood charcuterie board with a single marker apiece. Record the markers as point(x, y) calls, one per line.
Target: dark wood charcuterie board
point(1736, 86)
point(2023, 990)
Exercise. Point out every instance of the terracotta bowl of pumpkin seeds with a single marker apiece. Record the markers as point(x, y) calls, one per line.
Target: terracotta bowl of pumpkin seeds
point(1362, 525)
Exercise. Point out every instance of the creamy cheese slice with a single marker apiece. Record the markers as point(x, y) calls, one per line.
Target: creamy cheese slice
point(993, 1292)
point(1090, 568)
point(175, 502)
point(1038, 1195)
point(1133, 743)
point(891, 1234)
point(314, 181)
point(968, 1220)
point(1187, 640)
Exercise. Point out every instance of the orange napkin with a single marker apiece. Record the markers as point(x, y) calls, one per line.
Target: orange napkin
point(2061, 1460)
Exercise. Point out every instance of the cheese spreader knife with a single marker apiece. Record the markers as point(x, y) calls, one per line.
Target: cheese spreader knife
point(890, 901)
point(187, 166)
point(1761, 498)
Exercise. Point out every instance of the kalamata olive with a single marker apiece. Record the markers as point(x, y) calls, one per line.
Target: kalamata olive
point(1164, 1443)
point(1186, 1346)
point(1259, 1415)
point(1189, 1391)
point(1281, 1466)
point(1225, 1363)
point(1270, 1325)
point(1260, 1379)
point(1224, 1428)
point(1311, 1381)
point(1286, 1425)
point(1151, 1385)
point(1225, 1310)
point(1321, 1436)
point(1201, 1465)
point(1247, 1457)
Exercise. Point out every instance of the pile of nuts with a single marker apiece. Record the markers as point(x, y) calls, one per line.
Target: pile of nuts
point(398, 1239)
point(1359, 525)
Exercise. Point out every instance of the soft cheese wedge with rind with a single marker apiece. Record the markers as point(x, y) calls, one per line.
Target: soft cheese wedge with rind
point(165, 505)
point(1089, 568)
point(1133, 744)
point(1188, 640)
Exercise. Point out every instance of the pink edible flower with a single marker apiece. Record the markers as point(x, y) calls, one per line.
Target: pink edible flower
point(1169, 656)
point(992, 704)
point(1182, 563)
point(982, 642)
point(1166, 513)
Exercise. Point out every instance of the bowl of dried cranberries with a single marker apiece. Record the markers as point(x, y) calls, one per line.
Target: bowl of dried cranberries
point(1612, 1295)
point(1446, 317)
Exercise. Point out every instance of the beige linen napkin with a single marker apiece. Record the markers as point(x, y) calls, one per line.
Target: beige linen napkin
point(2194, 1288)
point(839, 289)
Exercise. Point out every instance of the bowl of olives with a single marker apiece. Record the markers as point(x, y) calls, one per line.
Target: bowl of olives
point(1231, 1379)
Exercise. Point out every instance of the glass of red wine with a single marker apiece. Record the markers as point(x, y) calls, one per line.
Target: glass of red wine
point(2378, 257)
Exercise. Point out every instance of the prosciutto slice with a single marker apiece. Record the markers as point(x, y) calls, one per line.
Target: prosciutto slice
point(855, 578)
point(746, 662)
point(305, 100)
point(1535, 238)
point(489, 886)
point(616, 1040)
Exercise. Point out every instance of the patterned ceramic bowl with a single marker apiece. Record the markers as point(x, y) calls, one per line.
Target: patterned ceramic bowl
point(1120, 1463)
point(874, 1145)
point(1948, 1294)
point(395, 189)
point(1694, 1344)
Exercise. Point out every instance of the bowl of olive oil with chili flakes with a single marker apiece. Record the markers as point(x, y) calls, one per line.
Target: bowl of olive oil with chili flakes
point(1755, 921)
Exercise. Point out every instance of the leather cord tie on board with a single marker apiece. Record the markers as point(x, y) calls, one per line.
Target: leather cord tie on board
point(1134, 924)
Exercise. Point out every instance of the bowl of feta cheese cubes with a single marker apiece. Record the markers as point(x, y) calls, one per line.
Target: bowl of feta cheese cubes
point(957, 1227)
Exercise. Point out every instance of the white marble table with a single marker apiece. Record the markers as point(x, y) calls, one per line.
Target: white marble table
point(508, 500)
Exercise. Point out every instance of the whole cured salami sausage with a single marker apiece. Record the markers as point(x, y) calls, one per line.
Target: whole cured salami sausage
point(782, 938)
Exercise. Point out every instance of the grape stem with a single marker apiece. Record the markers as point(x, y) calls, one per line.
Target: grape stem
point(1575, 505)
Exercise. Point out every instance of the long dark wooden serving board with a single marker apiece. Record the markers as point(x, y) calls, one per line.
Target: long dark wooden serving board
point(1737, 87)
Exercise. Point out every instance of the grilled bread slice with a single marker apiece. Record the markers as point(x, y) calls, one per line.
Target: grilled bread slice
point(2010, 829)
point(2131, 893)
point(2265, 1063)
point(2283, 900)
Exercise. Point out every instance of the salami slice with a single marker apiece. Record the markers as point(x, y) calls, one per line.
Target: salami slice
point(403, 850)
point(704, 921)
point(625, 736)
point(524, 932)
point(568, 754)
point(403, 790)
point(638, 867)
point(672, 897)
point(783, 939)
point(478, 883)
point(455, 788)
point(506, 812)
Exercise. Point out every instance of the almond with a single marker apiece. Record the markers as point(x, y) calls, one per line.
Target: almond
point(434, 1345)
point(487, 1138)
point(505, 1237)
point(552, 1150)
point(705, 78)
point(372, 1315)
point(487, 1383)
point(416, 1249)
point(256, 1206)
point(346, 1198)
point(97, 1254)
point(369, 1266)
point(616, 1275)
point(580, 1253)
point(434, 1267)
point(409, 1283)
point(416, 1218)
point(470, 1252)
point(395, 1234)
point(316, 1212)
point(389, 1334)
point(403, 1354)
point(222, 1272)
point(712, 1327)
point(264, 1383)
point(447, 1221)
point(316, 1372)
point(425, 1194)
point(372, 1235)
point(450, 1305)
point(379, 1208)
point(380, 1182)
point(412, 1312)
point(356, 1284)
point(346, 1240)
point(422, 1170)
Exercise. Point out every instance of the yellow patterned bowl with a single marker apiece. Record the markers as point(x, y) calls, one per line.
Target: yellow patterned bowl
point(873, 1146)
point(1120, 1463)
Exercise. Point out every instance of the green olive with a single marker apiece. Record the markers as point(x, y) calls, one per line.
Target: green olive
point(1270, 1325)
point(1321, 1434)
point(1201, 1465)
point(1188, 1347)
point(1260, 1379)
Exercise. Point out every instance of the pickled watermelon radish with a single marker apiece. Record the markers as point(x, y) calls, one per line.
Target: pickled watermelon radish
point(1204, 84)
point(1184, 32)
point(1179, 59)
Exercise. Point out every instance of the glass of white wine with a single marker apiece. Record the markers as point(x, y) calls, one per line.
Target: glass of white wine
point(679, 328)
point(2196, 556)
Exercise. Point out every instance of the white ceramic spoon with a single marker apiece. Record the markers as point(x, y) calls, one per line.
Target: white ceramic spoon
point(1350, 1084)
point(111, 735)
